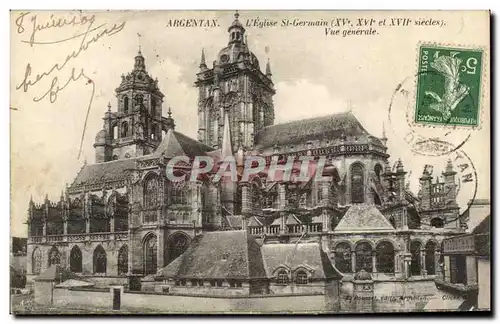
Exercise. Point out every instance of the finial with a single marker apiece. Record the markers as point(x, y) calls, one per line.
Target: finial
point(31, 198)
point(383, 131)
point(109, 106)
point(202, 60)
point(236, 15)
point(139, 52)
point(268, 68)
point(169, 112)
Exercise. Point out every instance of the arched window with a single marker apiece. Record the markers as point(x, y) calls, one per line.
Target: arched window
point(364, 257)
point(282, 277)
point(176, 245)
point(115, 131)
point(437, 222)
point(153, 132)
point(123, 260)
point(125, 105)
point(75, 259)
point(153, 107)
point(378, 170)
point(430, 258)
point(357, 183)
point(415, 248)
point(150, 256)
point(151, 197)
point(54, 256)
point(343, 258)
point(124, 129)
point(139, 99)
point(256, 198)
point(301, 278)
point(100, 260)
point(179, 193)
point(385, 257)
point(36, 261)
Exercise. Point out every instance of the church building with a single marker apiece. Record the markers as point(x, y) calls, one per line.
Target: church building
point(122, 220)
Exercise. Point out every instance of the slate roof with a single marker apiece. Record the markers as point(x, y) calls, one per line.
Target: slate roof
point(361, 217)
point(300, 131)
point(178, 144)
point(293, 256)
point(218, 255)
point(104, 172)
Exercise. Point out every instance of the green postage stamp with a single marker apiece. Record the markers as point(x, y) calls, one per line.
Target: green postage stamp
point(448, 86)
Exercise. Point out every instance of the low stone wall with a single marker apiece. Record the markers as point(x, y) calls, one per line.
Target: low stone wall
point(169, 303)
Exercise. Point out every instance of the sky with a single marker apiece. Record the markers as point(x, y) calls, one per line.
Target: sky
point(314, 75)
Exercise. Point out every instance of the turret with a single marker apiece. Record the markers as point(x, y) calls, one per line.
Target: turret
point(203, 64)
point(449, 183)
point(425, 188)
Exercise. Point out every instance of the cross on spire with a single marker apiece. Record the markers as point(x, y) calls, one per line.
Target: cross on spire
point(236, 15)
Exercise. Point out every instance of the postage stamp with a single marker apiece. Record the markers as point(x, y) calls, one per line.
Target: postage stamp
point(448, 86)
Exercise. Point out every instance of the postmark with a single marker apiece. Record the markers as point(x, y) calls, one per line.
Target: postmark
point(448, 86)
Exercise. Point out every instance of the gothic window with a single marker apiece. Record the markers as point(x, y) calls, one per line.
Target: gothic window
point(99, 221)
point(430, 258)
point(153, 132)
point(176, 245)
point(179, 193)
point(301, 278)
point(256, 196)
point(54, 256)
point(364, 257)
point(75, 259)
point(282, 277)
point(385, 257)
point(36, 261)
point(378, 170)
point(123, 260)
point(151, 188)
point(125, 105)
point(76, 221)
point(437, 222)
point(124, 129)
point(150, 255)
point(357, 183)
point(153, 107)
point(343, 258)
point(271, 198)
point(415, 248)
point(100, 260)
point(121, 213)
point(36, 227)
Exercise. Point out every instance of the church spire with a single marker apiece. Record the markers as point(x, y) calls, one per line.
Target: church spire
point(203, 64)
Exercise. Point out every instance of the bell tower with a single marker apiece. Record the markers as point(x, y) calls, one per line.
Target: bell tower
point(234, 85)
point(135, 128)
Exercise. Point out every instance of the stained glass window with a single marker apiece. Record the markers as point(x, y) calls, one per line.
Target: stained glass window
point(151, 192)
point(75, 259)
point(357, 183)
point(385, 257)
point(150, 255)
point(100, 260)
point(123, 260)
point(364, 257)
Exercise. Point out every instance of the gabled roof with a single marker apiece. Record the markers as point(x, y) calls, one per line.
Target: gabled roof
point(178, 144)
point(293, 256)
point(104, 172)
point(300, 131)
point(213, 255)
point(363, 217)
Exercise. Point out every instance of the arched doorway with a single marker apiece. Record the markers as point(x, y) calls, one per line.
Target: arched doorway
point(75, 259)
point(177, 243)
point(416, 264)
point(150, 254)
point(430, 258)
point(100, 260)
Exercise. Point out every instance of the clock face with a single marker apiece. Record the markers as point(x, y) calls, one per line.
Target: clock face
point(224, 58)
